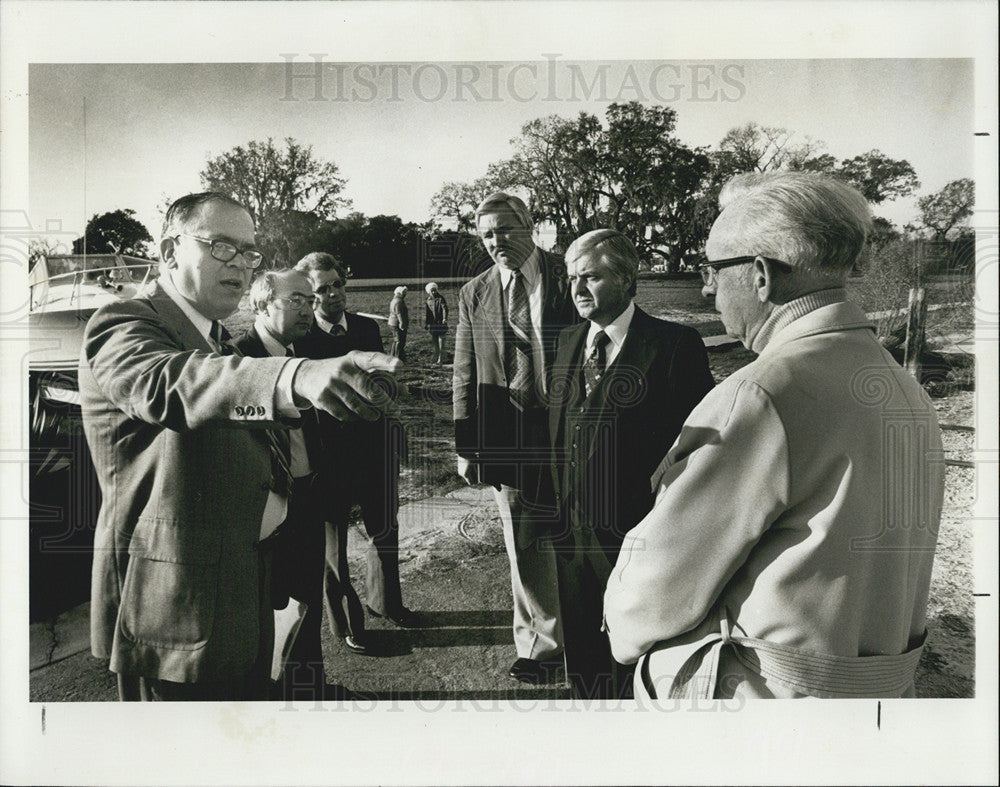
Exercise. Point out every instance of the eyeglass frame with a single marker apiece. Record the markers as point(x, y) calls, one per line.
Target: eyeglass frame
point(237, 251)
point(304, 300)
point(710, 270)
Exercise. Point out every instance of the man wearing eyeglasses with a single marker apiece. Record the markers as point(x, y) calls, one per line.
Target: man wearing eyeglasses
point(185, 440)
point(364, 469)
point(283, 303)
point(509, 322)
point(789, 550)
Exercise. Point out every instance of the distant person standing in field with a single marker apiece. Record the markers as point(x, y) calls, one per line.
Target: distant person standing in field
point(399, 322)
point(436, 320)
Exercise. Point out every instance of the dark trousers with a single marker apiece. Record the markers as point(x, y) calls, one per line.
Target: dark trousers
point(583, 572)
point(254, 685)
point(371, 481)
point(301, 555)
point(345, 615)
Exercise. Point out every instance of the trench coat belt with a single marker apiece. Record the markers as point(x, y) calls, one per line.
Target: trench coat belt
point(814, 674)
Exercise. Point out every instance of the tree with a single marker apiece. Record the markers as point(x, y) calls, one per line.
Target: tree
point(879, 177)
point(458, 201)
point(43, 247)
point(948, 208)
point(882, 233)
point(274, 185)
point(633, 175)
point(651, 181)
point(114, 232)
point(755, 148)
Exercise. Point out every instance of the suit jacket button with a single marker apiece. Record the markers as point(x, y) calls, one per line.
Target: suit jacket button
point(577, 427)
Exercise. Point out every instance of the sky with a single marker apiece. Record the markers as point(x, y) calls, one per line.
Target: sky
point(108, 136)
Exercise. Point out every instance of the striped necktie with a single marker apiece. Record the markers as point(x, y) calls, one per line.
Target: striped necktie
point(277, 439)
point(593, 367)
point(520, 371)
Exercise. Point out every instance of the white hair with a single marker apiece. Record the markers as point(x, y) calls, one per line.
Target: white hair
point(811, 221)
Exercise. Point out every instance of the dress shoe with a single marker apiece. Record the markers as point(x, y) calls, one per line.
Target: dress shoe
point(536, 671)
point(403, 617)
point(355, 645)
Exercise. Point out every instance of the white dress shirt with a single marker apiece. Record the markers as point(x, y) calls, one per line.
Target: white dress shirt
point(328, 326)
point(616, 331)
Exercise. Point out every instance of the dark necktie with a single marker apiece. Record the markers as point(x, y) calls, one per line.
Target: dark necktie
point(277, 439)
point(338, 330)
point(520, 372)
point(221, 337)
point(593, 367)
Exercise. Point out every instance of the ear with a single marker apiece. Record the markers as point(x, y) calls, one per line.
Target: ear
point(763, 279)
point(167, 252)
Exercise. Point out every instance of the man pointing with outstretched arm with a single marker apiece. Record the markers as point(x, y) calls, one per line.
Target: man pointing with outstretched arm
point(186, 440)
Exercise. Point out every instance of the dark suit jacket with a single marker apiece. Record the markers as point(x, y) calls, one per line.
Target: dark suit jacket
point(489, 430)
point(623, 430)
point(175, 584)
point(366, 443)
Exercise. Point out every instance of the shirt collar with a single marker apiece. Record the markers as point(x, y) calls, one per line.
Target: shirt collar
point(271, 344)
point(327, 326)
point(793, 310)
point(200, 321)
point(616, 331)
point(529, 270)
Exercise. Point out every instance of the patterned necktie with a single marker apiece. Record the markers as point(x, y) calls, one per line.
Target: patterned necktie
point(520, 372)
point(593, 367)
point(277, 439)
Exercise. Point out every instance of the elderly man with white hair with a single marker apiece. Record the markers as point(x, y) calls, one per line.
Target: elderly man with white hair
point(789, 551)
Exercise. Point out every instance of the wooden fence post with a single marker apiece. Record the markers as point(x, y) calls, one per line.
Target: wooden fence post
point(916, 321)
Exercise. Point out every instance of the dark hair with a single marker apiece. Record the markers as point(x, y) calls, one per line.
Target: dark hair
point(181, 210)
point(321, 261)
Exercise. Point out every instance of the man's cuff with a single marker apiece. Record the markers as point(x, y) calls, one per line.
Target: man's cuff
point(283, 398)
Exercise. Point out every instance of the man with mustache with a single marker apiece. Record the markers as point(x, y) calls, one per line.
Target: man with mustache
point(191, 480)
point(623, 384)
point(509, 320)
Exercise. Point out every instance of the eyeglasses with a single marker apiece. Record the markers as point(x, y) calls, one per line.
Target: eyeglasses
point(709, 270)
point(297, 302)
point(223, 251)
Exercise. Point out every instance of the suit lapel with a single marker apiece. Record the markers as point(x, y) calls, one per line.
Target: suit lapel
point(628, 371)
point(491, 301)
point(567, 371)
point(191, 338)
